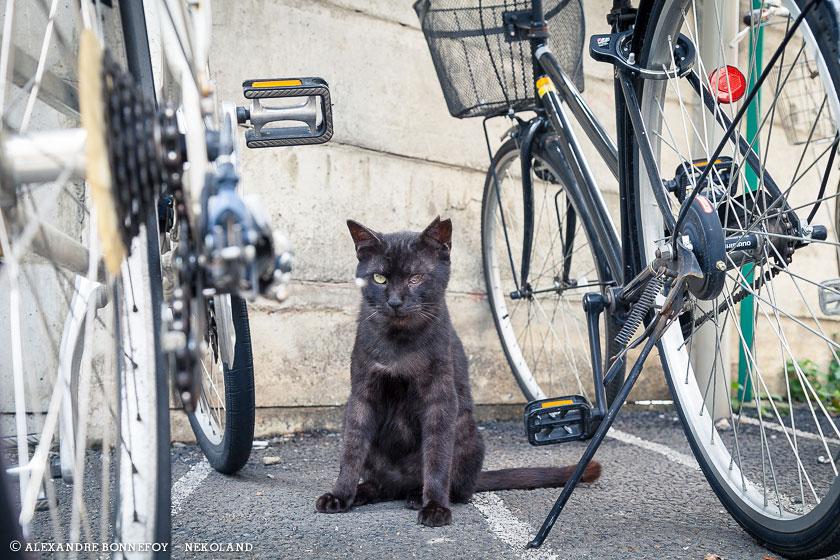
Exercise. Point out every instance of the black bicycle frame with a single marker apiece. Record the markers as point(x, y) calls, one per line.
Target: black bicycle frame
point(618, 256)
point(578, 178)
point(579, 186)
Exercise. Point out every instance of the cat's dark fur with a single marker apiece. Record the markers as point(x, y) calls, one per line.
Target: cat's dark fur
point(409, 431)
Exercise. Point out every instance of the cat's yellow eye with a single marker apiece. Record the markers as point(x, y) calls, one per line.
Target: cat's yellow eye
point(415, 279)
point(378, 278)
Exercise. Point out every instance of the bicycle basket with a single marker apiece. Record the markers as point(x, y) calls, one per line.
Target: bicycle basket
point(801, 102)
point(480, 72)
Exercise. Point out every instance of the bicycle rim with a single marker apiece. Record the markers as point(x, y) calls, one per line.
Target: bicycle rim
point(544, 336)
point(215, 361)
point(83, 342)
point(751, 404)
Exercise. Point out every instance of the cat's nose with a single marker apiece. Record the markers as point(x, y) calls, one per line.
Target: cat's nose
point(394, 302)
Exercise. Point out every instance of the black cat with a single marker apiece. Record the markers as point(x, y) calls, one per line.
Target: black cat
point(409, 431)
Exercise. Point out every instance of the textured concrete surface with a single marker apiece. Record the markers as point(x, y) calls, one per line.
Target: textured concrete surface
point(651, 502)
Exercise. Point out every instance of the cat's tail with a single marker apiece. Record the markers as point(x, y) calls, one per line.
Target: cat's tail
point(528, 478)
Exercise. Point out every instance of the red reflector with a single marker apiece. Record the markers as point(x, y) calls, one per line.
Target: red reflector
point(705, 204)
point(727, 84)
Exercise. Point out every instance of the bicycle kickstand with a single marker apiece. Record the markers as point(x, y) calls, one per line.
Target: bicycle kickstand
point(686, 267)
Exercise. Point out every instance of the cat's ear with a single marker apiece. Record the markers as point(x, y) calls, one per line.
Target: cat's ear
point(366, 240)
point(438, 234)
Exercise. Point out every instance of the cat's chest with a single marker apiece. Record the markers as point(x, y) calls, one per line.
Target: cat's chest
point(405, 364)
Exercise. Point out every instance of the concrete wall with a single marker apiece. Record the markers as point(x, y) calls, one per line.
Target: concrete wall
point(396, 161)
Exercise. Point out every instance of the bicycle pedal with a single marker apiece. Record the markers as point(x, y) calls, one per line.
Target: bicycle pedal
point(829, 292)
point(308, 121)
point(558, 420)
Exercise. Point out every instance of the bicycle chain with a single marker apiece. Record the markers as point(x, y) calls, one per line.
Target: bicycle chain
point(184, 363)
point(170, 153)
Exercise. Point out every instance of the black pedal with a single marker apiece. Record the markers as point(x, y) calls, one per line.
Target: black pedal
point(307, 121)
point(557, 420)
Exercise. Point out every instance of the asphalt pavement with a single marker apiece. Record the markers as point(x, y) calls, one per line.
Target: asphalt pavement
point(651, 502)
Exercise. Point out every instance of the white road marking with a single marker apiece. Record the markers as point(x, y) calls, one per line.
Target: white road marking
point(507, 527)
point(185, 485)
point(672, 455)
point(516, 533)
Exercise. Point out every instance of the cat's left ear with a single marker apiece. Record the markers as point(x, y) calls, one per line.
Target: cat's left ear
point(438, 234)
point(366, 240)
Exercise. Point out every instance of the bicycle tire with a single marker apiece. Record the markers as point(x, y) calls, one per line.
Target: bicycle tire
point(232, 450)
point(531, 388)
point(139, 64)
point(815, 534)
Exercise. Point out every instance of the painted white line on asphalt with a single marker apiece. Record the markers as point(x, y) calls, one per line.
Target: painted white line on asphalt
point(515, 532)
point(775, 427)
point(675, 456)
point(185, 485)
point(507, 527)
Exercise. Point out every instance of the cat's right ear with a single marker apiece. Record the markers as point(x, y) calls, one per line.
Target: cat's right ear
point(366, 240)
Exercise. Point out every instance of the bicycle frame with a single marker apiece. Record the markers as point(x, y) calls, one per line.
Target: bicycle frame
point(580, 185)
point(615, 259)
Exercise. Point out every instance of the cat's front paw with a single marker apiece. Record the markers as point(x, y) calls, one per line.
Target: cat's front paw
point(328, 503)
point(434, 515)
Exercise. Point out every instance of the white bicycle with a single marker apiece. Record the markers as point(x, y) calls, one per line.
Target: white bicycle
point(98, 178)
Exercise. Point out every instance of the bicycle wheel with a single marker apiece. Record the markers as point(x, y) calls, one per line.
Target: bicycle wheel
point(742, 367)
point(82, 336)
point(223, 421)
point(544, 335)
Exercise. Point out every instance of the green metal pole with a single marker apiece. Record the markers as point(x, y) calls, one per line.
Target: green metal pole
point(747, 312)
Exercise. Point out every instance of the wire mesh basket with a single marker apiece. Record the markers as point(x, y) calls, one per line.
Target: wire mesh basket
point(802, 105)
point(481, 73)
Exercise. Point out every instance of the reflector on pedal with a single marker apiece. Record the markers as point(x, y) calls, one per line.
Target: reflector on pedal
point(556, 403)
point(276, 83)
point(557, 420)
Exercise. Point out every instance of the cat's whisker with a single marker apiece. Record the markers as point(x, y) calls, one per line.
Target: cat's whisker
point(422, 309)
point(375, 311)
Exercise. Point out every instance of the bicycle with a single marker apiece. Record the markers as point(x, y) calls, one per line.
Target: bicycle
point(721, 258)
point(99, 178)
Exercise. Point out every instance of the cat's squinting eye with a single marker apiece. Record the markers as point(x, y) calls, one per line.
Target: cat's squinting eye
point(378, 278)
point(415, 279)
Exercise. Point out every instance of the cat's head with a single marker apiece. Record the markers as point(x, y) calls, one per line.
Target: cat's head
point(404, 274)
